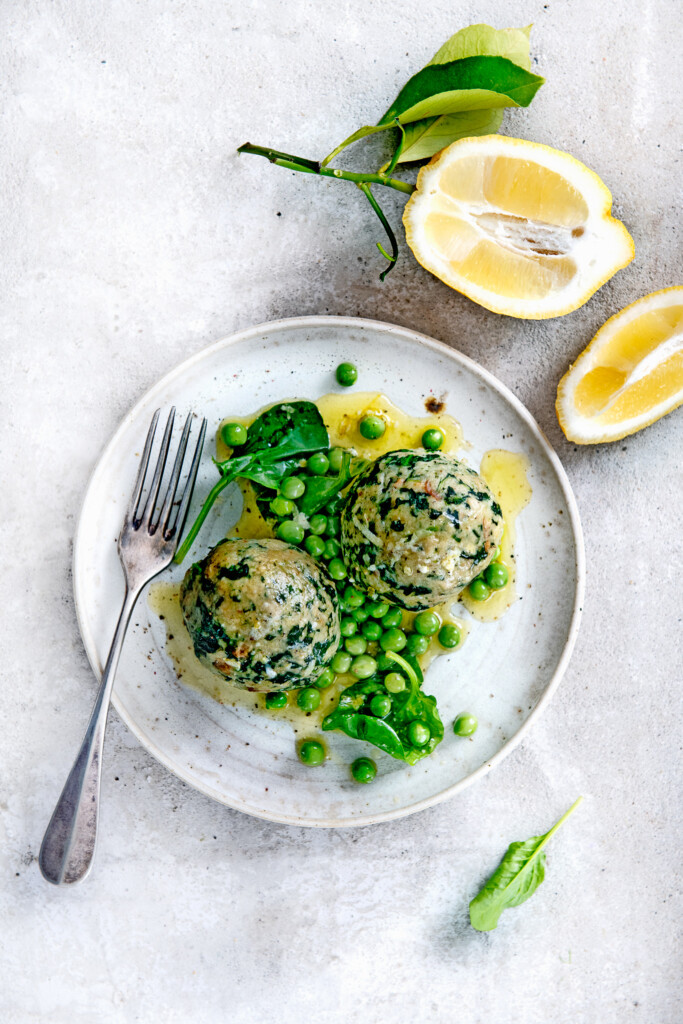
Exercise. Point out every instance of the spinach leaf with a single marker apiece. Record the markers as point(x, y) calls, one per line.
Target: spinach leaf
point(517, 877)
point(320, 489)
point(366, 727)
point(275, 442)
point(352, 715)
point(290, 428)
point(473, 83)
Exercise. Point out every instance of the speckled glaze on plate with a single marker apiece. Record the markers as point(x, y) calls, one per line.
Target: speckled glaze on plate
point(506, 671)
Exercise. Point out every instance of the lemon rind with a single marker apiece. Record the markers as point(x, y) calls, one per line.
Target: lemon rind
point(569, 420)
point(598, 198)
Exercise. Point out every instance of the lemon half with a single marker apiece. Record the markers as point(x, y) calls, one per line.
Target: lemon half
point(630, 375)
point(518, 227)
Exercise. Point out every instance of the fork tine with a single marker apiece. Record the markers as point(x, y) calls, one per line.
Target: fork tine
point(175, 476)
point(148, 511)
point(179, 523)
point(142, 471)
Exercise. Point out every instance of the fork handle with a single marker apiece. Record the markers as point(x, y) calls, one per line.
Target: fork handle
point(68, 845)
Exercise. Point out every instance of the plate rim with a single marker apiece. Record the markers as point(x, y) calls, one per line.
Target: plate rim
point(327, 320)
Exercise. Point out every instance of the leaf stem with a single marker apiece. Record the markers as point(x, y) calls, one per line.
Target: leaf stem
point(197, 525)
point(408, 669)
point(559, 823)
point(367, 192)
point(397, 151)
point(296, 163)
point(361, 133)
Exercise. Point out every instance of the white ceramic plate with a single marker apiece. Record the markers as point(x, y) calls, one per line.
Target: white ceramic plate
point(506, 671)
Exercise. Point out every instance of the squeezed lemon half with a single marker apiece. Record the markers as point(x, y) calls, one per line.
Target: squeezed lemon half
point(630, 375)
point(518, 227)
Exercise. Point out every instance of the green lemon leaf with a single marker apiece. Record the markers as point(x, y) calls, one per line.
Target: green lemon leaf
point(432, 134)
point(485, 41)
point(473, 83)
point(516, 878)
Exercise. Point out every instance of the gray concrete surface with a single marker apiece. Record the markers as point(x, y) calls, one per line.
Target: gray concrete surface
point(132, 236)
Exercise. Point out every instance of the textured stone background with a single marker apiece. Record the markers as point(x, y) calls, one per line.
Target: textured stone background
point(132, 236)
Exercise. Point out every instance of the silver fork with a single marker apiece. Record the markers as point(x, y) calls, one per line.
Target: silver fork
point(147, 544)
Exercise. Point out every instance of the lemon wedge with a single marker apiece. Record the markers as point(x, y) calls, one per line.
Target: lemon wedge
point(630, 375)
point(518, 227)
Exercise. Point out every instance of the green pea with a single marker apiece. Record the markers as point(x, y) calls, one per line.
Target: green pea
point(333, 526)
point(363, 666)
point(341, 663)
point(361, 614)
point(419, 734)
point(290, 532)
point(372, 427)
point(292, 487)
point(449, 635)
point(393, 640)
point(336, 459)
point(233, 434)
point(332, 548)
point(432, 439)
point(417, 644)
point(385, 664)
point(393, 617)
point(277, 699)
point(479, 589)
point(427, 623)
point(371, 630)
point(317, 525)
point(348, 626)
point(325, 679)
point(380, 705)
point(496, 575)
point(378, 609)
point(315, 546)
point(363, 769)
point(311, 752)
point(496, 554)
point(346, 374)
point(282, 506)
point(354, 598)
point(356, 645)
point(465, 725)
point(395, 682)
point(308, 699)
point(318, 464)
point(337, 569)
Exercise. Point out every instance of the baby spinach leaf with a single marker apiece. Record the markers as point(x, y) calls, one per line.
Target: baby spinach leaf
point(275, 442)
point(517, 877)
point(366, 727)
point(290, 428)
point(320, 489)
point(473, 83)
point(352, 715)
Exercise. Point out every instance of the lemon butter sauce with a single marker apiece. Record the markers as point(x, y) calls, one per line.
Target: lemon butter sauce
point(505, 472)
